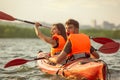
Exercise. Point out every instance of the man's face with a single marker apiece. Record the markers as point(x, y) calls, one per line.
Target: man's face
point(70, 29)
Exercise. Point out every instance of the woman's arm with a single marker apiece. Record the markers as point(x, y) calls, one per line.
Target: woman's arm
point(42, 36)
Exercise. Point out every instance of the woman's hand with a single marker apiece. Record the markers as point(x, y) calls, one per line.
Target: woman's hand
point(37, 24)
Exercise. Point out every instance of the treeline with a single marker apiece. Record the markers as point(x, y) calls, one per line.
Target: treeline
point(13, 31)
point(114, 34)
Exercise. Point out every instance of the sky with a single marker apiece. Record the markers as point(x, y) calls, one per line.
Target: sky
point(53, 11)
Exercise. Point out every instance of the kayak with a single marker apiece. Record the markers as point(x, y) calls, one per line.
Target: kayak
point(81, 69)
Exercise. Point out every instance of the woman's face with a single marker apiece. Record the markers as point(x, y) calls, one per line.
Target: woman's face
point(54, 30)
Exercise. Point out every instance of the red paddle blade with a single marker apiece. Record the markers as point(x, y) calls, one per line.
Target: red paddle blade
point(5, 16)
point(109, 48)
point(15, 62)
point(102, 40)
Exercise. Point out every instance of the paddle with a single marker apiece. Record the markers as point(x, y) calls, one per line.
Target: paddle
point(102, 40)
point(19, 61)
point(8, 17)
point(107, 48)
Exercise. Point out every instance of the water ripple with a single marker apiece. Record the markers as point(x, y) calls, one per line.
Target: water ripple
point(28, 48)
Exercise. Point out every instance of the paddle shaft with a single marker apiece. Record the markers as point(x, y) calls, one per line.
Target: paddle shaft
point(8, 17)
point(37, 59)
point(26, 21)
point(29, 22)
point(5, 16)
point(100, 40)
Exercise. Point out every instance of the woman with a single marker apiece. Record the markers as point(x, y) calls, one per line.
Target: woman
point(57, 40)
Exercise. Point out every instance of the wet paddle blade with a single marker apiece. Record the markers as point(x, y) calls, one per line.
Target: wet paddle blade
point(102, 40)
point(20, 61)
point(109, 48)
point(15, 62)
point(5, 16)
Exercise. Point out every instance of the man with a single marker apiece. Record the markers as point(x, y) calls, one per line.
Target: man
point(77, 45)
point(70, 30)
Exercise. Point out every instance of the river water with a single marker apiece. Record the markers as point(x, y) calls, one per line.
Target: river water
point(27, 49)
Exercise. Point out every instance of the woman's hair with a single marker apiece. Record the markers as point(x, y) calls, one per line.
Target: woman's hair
point(72, 22)
point(62, 30)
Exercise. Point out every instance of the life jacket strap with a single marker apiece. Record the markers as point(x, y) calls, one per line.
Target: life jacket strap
point(77, 56)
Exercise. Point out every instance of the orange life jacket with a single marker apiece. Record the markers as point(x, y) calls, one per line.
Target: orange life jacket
point(80, 43)
point(61, 43)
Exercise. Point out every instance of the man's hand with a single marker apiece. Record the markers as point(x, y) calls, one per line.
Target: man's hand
point(53, 59)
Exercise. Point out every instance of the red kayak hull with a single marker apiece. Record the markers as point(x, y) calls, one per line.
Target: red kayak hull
point(82, 69)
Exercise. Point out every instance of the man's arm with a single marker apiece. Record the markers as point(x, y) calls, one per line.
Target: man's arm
point(63, 54)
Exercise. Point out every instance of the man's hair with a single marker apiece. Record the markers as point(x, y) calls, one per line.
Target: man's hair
point(72, 22)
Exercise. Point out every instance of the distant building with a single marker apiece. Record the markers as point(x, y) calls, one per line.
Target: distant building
point(118, 27)
point(94, 24)
point(107, 25)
